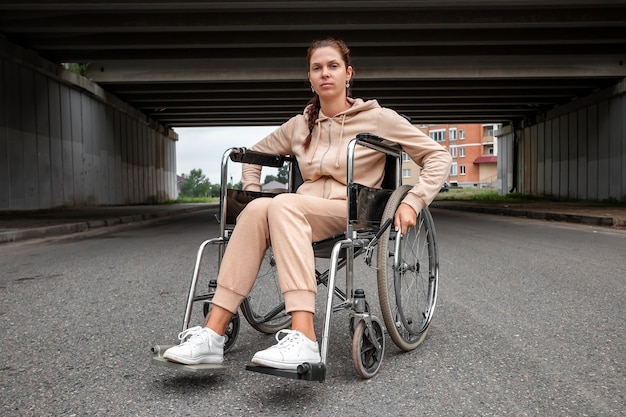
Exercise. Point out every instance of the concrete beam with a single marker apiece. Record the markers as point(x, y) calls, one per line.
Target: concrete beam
point(98, 5)
point(285, 69)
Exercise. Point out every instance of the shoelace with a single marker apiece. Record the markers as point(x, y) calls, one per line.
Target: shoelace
point(291, 338)
point(195, 335)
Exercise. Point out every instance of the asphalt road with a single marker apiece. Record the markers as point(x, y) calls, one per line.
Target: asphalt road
point(530, 322)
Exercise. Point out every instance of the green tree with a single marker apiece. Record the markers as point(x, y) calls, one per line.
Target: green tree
point(283, 174)
point(78, 68)
point(282, 177)
point(196, 184)
point(214, 190)
point(270, 178)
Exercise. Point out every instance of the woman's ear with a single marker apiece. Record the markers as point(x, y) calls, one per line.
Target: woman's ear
point(349, 73)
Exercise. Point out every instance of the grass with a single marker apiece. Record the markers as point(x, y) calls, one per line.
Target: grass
point(485, 195)
point(492, 196)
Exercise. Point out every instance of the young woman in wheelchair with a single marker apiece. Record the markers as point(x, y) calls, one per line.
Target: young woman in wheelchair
point(290, 222)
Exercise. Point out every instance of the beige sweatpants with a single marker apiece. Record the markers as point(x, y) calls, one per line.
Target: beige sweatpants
point(289, 223)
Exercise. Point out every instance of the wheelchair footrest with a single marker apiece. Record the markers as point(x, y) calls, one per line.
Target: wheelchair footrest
point(306, 371)
point(157, 359)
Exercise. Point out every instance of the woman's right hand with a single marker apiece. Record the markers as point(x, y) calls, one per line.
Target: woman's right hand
point(404, 218)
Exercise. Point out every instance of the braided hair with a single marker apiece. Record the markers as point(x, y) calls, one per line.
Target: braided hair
point(314, 106)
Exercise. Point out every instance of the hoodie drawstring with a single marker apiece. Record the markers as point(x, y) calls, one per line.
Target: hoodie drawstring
point(317, 139)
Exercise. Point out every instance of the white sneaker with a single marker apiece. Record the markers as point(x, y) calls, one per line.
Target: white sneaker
point(198, 345)
point(290, 351)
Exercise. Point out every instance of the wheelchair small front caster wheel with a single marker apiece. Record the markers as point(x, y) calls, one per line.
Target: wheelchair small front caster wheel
point(232, 329)
point(368, 348)
point(354, 320)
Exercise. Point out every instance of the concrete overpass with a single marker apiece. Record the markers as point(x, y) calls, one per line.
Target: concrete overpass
point(552, 71)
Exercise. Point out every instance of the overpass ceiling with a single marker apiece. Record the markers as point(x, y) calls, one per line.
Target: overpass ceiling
point(214, 63)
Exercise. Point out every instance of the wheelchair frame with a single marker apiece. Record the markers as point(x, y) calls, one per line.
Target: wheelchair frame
point(368, 332)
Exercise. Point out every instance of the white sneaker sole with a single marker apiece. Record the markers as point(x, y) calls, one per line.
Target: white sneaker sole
point(202, 360)
point(282, 365)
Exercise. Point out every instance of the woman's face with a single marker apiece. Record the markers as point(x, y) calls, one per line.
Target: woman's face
point(328, 73)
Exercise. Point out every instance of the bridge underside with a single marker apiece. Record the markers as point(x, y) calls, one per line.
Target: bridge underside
point(198, 63)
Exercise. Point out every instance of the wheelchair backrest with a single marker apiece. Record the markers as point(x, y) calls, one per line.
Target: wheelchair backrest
point(390, 180)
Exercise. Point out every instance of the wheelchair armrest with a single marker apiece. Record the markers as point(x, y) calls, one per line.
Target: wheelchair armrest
point(377, 143)
point(247, 156)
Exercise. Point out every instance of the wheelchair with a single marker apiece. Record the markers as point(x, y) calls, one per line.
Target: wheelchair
point(407, 267)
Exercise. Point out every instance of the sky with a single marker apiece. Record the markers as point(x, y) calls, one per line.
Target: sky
point(203, 148)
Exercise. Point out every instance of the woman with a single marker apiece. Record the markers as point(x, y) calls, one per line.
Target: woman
point(318, 138)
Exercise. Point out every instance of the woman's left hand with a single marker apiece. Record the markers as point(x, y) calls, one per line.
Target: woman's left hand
point(405, 217)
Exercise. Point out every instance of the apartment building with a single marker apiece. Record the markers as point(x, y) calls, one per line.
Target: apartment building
point(474, 154)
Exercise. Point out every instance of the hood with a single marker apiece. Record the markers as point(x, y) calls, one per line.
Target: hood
point(358, 105)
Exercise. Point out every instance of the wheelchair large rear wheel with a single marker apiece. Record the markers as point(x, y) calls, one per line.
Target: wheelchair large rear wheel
point(264, 308)
point(408, 274)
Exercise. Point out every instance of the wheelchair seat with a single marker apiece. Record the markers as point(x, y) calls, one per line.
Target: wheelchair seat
point(323, 248)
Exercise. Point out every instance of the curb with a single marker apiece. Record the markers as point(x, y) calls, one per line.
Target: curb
point(83, 226)
point(538, 215)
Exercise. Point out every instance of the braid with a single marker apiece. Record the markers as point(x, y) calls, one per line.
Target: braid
point(312, 115)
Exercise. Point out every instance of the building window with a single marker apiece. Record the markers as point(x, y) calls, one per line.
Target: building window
point(462, 169)
point(461, 134)
point(405, 157)
point(453, 151)
point(453, 169)
point(461, 152)
point(406, 173)
point(452, 133)
point(438, 135)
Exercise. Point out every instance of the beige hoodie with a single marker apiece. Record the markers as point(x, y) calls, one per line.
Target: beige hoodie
point(324, 162)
